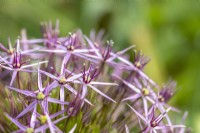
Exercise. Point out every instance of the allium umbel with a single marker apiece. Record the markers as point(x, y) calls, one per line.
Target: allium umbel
point(78, 83)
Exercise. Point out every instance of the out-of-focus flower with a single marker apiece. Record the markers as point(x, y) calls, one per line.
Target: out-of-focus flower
point(50, 33)
point(140, 60)
point(17, 64)
point(167, 92)
point(10, 51)
point(31, 128)
point(40, 96)
point(152, 123)
point(70, 46)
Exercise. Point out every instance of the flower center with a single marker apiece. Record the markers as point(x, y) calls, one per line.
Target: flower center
point(87, 79)
point(70, 47)
point(145, 91)
point(11, 51)
point(16, 65)
point(137, 64)
point(29, 130)
point(62, 80)
point(161, 98)
point(153, 124)
point(40, 96)
point(43, 119)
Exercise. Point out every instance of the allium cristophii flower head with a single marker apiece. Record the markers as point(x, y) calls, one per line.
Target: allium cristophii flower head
point(89, 75)
point(10, 50)
point(167, 91)
point(82, 85)
point(50, 33)
point(73, 41)
point(140, 60)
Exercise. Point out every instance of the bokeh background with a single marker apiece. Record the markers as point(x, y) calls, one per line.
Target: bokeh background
point(168, 31)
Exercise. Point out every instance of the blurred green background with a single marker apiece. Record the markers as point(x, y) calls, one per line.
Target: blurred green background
point(168, 31)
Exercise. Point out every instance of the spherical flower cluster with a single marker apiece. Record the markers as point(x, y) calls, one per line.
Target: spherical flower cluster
point(84, 78)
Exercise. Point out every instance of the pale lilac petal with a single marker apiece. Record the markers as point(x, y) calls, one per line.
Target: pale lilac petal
point(39, 129)
point(145, 107)
point(13, 77)
point(18, 46)
point(84, 92)
point(58, 113)
point(128, 84)
point(34, 64)
point(52, 100)
point(127, 130)
point(51, 127)
point(57, 129)
point(53, 85)
point(25, 92)
point(33, 117)
point(8, 68)
point(92, 46)
point(29, 51)
point(33, 41)
point(27, 109)
point(123, 60)
point(120, 53)
point(54, 51)
point(75, 92)
point(101, 93)
point(39, 79)
point(172, 108)
point(18, 131)
point(154, 131)
point(25, 70)
point(84, 57)
point(73, 129)
point(87, 101)
point(134, 97)
point(167, 116)
point(45, 105)
point(137, 113)
point(150, 99)
point(2, 47)
point(62, 96)
point(75, 77)
point(70, 89)
point(102, 83)
point(84, 50)
point(142, 74)
point(92, 56)
point(49, 75)
point(139, 121)
point(5, 61)
point(168, 126)
point(22, 127)
point(78, 82)
point(65, 60)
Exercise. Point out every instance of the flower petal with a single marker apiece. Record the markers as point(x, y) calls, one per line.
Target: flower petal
point(73, 129)
point(34, 64)
point(22, 127)
point(13, 77)
point(101, 93)
point(33, 117)
point(27, 109)
point(137, 113)
point(25, 92)
point(52, 100)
